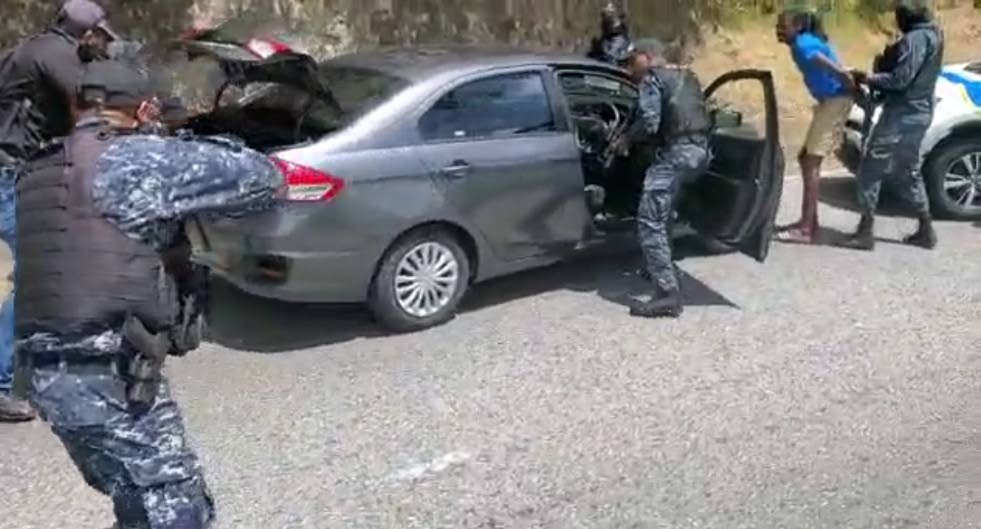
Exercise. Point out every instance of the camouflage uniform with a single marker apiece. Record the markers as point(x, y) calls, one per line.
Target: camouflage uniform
point(140, 460)
point(677, 161)
point(612, 49)
point(893, 151)
point(131, 449)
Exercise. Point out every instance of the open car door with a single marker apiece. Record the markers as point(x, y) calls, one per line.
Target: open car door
point(737, 200)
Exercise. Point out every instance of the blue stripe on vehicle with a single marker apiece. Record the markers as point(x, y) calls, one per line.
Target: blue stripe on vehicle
point(971, 87)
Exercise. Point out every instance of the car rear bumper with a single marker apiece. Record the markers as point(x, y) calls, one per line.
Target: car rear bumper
point(267, 267)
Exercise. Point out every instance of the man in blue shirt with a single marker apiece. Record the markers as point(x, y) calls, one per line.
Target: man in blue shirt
point(830, 85)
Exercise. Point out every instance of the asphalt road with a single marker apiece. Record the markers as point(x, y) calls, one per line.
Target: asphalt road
point(825, 388)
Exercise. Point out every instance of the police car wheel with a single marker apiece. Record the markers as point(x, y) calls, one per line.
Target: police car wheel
point(953, 179)
point(420, 281)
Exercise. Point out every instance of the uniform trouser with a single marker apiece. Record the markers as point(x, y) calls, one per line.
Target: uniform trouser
point(893, 155)
point(8, 233)
point(673, 165)
point(140, 459)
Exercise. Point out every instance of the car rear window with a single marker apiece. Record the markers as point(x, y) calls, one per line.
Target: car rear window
point(360, 90)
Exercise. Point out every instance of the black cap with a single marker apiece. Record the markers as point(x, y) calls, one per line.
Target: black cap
point(116, 83)
point(86, 15)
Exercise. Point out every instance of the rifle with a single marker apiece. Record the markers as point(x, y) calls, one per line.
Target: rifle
point(614, 148)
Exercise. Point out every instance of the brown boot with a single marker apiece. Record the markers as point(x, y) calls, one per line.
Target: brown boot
point(15, 410)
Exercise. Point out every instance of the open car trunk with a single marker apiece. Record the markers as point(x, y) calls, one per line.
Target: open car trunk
point(269, 95)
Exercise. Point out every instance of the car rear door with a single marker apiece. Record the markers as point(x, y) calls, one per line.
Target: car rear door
point(737, 200)
point(499, 150)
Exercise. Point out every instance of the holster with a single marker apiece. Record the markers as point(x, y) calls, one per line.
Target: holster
point(186, 336)
point(144, 370)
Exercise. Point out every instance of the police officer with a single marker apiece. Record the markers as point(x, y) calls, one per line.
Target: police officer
point(893, 151)
point(37, 84)
point(673, 118)
point(613, 45)
point(93, 307)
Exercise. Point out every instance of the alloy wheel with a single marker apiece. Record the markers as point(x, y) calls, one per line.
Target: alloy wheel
point(426, 279)
point(962, 181)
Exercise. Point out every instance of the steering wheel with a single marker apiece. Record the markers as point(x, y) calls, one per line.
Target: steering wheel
point(608, 127)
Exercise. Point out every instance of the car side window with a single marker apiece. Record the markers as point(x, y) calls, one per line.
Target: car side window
point(499, 106)
point(596, 85)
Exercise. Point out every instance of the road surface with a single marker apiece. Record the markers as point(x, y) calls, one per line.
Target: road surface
point(825, 388)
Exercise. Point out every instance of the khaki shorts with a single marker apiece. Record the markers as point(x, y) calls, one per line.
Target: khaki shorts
point(826, 125)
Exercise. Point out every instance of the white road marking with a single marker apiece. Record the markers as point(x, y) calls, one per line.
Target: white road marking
point(436, 466)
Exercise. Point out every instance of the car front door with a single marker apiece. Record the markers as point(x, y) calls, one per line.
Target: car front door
point(497, 147)
point(736, 202)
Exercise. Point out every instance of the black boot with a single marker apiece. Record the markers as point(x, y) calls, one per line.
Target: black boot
point(925, 236)
point(667, 305)
point(864, 236)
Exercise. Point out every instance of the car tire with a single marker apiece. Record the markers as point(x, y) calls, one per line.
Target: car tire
point(948, 159)
point(433, 261)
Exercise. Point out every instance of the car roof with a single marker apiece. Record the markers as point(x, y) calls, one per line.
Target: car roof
point(420, 63)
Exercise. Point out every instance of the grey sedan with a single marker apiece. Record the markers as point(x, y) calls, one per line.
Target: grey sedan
point(415, 173)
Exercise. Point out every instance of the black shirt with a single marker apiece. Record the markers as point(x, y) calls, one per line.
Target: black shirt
point(51, 67)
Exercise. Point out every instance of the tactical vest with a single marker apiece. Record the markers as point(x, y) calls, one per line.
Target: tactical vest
point(923, 85)
point(684, 112)
point(75, 269)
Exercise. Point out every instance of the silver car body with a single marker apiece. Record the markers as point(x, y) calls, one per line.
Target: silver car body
point(517, 203)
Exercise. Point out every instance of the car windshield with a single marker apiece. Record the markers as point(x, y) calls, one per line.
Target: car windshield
point(356, 90)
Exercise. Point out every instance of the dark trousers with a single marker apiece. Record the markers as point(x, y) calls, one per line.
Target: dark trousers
point(893, 156)
point(673, 165)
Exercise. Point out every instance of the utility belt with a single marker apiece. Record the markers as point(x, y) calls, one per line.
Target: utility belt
point(143, 369)
point(80, 364)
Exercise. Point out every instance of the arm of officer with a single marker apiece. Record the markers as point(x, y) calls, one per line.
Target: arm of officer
point(912, 53)
point(58, 62)
point(648, 121)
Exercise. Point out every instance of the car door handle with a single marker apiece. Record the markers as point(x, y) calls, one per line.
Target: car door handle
point(457, 169)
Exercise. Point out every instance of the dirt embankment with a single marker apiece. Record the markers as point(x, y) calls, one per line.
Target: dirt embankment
point(753, 45)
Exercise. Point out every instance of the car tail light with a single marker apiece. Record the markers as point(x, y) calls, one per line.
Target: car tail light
point(265, 48)
point(305, 184)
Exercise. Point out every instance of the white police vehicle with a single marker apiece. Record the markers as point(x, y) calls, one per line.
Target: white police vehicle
point(951, 149)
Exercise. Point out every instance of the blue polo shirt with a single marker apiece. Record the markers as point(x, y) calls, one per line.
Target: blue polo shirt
point(821, 83)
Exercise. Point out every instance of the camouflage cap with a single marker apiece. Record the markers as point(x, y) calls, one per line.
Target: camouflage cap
point(115, 84)
point(649, 46)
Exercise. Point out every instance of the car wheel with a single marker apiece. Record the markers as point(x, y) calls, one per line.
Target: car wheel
point(953, 178)
point(420, 281)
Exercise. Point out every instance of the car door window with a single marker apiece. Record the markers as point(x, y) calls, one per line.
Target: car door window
point(595, 85)
point(503, 105)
